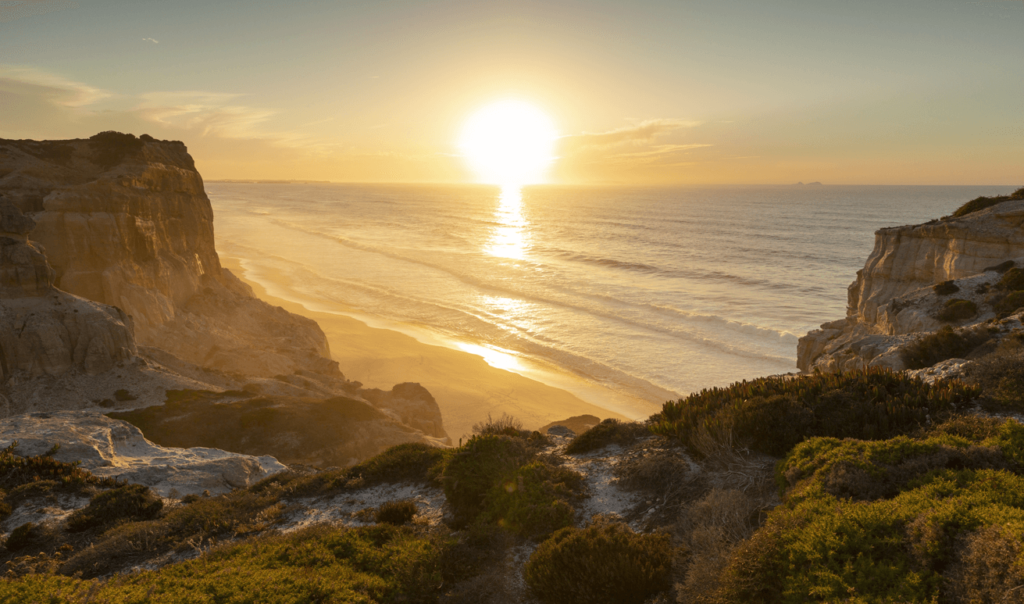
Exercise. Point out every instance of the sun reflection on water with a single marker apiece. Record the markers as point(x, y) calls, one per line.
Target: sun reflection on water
point(510, 238)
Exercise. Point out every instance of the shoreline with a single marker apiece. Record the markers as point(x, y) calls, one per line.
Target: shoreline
point(469, 382)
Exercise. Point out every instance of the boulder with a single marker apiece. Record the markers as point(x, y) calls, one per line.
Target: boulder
point(112, 448)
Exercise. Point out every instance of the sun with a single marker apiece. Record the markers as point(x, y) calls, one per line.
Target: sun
point(509, 143)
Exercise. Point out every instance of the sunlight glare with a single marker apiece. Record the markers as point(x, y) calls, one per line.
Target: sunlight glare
point(509, 143)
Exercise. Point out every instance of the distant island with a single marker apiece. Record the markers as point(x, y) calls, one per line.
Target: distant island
point(810, 183)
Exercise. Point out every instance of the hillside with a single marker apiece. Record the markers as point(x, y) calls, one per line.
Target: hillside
point(891, 470)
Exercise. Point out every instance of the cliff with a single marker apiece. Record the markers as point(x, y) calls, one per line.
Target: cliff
point(892, 302)
point(126, 222)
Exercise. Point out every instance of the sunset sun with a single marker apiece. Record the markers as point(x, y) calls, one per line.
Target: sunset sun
point(509, 143)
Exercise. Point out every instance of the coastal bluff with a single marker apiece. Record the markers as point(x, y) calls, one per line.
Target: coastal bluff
point(113, 299)
point(125, 222)
point(893, 301)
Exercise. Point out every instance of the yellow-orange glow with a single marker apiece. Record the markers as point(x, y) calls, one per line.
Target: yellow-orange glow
point(509, 143)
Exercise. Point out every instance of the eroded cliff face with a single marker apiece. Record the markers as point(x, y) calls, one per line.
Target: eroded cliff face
point(126, 222)
point(44, 331)
point(891, 302)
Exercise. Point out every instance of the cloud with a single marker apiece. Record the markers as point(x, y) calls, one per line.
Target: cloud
point(151, 40)
point(12, 10)
point(205, 112)
point(49, 87)
point(644, 132)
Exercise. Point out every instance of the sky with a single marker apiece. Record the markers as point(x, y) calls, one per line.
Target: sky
point(641, 92)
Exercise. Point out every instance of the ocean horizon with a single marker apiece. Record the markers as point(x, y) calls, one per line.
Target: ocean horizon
point(641, 294)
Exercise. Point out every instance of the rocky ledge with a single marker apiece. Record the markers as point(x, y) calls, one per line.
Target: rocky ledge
point(894, 301)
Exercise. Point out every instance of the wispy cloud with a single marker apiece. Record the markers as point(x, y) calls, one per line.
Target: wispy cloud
point(642, 133)
point(154, 41)
point(51, 88)
point(20, 9)
point(205, 112)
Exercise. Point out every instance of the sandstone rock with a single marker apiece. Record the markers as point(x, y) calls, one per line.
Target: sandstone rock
point(52, 334)
point(127, 223)
point(412, 405)
point(116, 449)
point(892, 303)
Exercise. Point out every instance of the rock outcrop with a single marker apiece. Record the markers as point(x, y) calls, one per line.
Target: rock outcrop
point(112, 448)
point(125, 222)
point(892, 303)
point(337, 431)
point(42, 329)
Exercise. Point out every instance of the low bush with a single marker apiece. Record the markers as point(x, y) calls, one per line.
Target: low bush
point(535, 500)
point(945, 288)
point(380, 563)
point(988, 565)
point(1007, 304)
point(603, 563)
point(1011, 281)
point(396, 512)
point(944, 344)
point(111, 148)
point(957, 310)
point(981, 203)
point(476, 467)
point(1002, 267)
point(130, 502)
point(608, 432)
point(659, 472)
point(202, 520)
point(22, 477)
point(21, 537)
point(773, 414)
point(407, 462)
point(506, 424)
point(896, 549)
point(1000, 375)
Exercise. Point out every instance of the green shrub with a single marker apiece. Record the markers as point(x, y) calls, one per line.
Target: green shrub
point(888, 550)
point(130, 502)
point(603, 563)
point(608, 432)
point(988, 566)
point(945, 288)
point(476, 467)
point(1007, 304)
point(1012, 280)
point(946, 343)
point(981, 203)
point(506, 424)
point(396, 512)
point(21, 537)
point(22, 477)
point(111, 147)
point(535, 500)
point(870, 470)
point(380, 563)
point(407, 462)
point(772, 414)
point(974, 428)
point(1000, 375)
point(958, 310)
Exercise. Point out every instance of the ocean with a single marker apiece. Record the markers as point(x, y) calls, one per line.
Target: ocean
point(644, 293)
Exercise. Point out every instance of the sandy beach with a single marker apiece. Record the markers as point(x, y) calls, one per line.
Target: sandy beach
point(465, 386)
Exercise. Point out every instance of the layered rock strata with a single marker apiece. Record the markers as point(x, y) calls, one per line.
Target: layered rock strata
point(892, 303)
point(126, 222)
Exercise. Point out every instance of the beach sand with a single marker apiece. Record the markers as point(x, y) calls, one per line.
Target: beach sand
point(466, 388)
